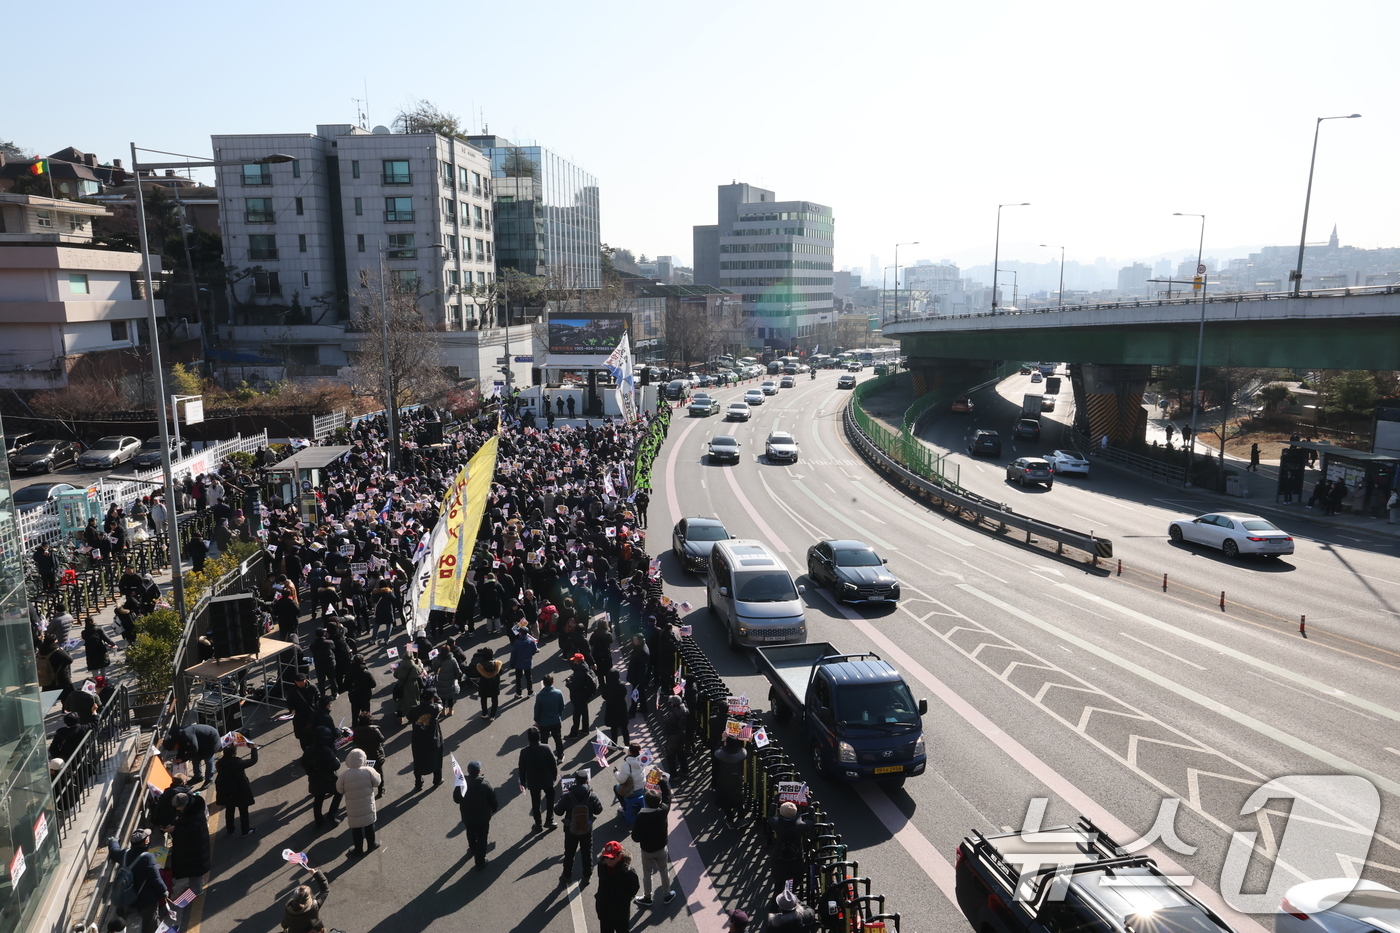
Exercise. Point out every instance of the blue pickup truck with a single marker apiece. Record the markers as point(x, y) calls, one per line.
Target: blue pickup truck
point(862, 721)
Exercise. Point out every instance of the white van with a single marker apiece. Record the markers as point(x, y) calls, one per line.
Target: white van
point(753, 595)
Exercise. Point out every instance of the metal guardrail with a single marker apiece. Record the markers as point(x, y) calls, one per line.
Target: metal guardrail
point(1146, 466)
point(92, 756)
point(996, 513)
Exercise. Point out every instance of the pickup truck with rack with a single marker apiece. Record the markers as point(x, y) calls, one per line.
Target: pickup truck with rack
point(1071, 878)
point(861, 719)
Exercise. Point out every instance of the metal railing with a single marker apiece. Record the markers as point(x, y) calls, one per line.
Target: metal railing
point(89, 760)
point(901, 446)
point(398, 217)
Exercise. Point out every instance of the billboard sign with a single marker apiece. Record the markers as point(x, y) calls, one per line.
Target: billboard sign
point(585, 334)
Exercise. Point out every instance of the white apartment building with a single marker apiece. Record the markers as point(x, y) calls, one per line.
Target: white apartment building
point(63, 302)
point(317, 234)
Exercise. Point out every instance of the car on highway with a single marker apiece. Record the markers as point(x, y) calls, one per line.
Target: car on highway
point(852, 571)
point(781, 447)
point(853, 366)
point(847, 381)
point(39, 495)
point(768, 387)
point(1027, 429)
point(1025, 470)
point(985, 442)
point(692, 540)
point(1037, 377)
point(1025, 370)
point(739, 411)
point(1338, 905)
point(787, 382)
point(109, 451)
point(1068, 461)
point(961, 405)
point(703, 405)
point(724, 447)
point(1047, 403)
point(753, 397)
point(45, 456)
point(1234, 533)
point(149, 454)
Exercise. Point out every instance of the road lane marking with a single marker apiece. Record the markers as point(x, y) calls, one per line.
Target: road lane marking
point(924, 853)
point(905, 516)
point(872, 517)
point(763, 527)
point(673, 503)
point(1314, 697)
point(1392, 751)
point(1148, 644)
point(861, 530)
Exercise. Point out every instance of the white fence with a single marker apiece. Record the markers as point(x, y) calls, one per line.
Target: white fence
point(38, 526)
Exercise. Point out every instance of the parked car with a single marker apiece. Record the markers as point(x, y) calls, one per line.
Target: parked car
point(39, 495)
point(724, 447)
point(962, 404)
point(1338, 905)
point(692, 540)
point(149, 454)
point(985, 442)
point(45, 456)
point(739, 411)
point(1027, 429)
point(781, 447)
point(1068, 461)
point(769, 387)
point(1234, 533)
point(1025, 470)
point(109, 451)
point(847, 381)
point(16, 442)
point(703, 404)
point(852, 571)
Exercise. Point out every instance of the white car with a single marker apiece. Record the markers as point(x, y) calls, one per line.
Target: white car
point(753, 397)
point(739, 411)
point(1338, 905)
point(768, 387)
point(1068, 461)
point(781, 448)
point(1234, 533)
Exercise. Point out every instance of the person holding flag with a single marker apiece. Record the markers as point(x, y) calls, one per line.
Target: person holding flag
point(303, 911)
point(476, 801)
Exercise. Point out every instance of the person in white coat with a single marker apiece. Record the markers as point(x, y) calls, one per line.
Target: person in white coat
point(631, 777)
point(358, 783)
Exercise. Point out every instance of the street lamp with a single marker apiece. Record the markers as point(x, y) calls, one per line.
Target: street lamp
point(1307, 201)
point(1200, 349)
point(1062, 271)
point(896, 276)
point(996, 250)
point(173, 527)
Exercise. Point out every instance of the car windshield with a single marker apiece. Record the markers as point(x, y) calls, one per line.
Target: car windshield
point(1037, 465)
point(760, 587)
point(706, 533)
point(780, 439)
point(878, 705)
point(1069, 455)
point(1258, 524)
point(857, 558)
point(108, 443)
point(32, 494)
point(724, 441)
point(45, 448)
point(154, 444)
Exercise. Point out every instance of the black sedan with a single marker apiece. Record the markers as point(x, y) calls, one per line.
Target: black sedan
point(724, 447)
point(693, 538)
point(39, 495)
point(45, 456)
point(149, 454)
point(852, 571)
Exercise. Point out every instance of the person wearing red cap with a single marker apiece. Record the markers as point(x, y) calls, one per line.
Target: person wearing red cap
point(617, 885)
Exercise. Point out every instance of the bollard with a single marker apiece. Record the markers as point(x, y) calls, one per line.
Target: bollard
point(1120, 566)
point(1222, 600)
point(1303, 626)
point(1164, 583)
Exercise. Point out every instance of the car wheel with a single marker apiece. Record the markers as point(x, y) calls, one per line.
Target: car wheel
point(780, 710)
point(1050, 485)
point(1022, 480)
point(1174, 532)
point(710, 605)
point(1231, 549)
point(733, 640)
point(818, 764)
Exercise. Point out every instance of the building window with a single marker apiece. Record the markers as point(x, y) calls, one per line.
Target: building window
point(355, 168)
point(451, 247)
point(406, 279)
point(306, 280)
point(77, 283)
point(257, 174)
point(452, 279)
point(76, 222)
point(359, 207)
point(476, 184)
point(467, 278)
point(296, 168)
point(480, 250)
point(447, 173)
point(118, 331)
point(477, 212)
point(398, 210)
point(488, 219)
point(360, 241)
point(300, 208)
point(488, 251)
point(262, 246)
point(43, 218)
point(449, 209)
point(301, 242)
point(266, 283)
point(401, 246)
point(396, 172)
point(258, 211)
point(466, 178)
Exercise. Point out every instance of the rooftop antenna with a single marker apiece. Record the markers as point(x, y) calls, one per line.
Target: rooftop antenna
point(362, 107)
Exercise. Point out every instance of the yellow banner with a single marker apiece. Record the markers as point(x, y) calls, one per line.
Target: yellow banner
point(462, 511)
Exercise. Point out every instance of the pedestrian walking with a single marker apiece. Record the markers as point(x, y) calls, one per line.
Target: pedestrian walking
point(147, 890)
point(582, 687)
point(537, 771)
point(359, 686)
point(303, 911)
point(359, 785)
point(370, 740)
point(1253, 458)
point(408, 689)
point(233, 790)
point(490, 598)
point(642, 500)
point(1171, 432)
point(323, 654)
point(427, 740)
point(304, 700)
point(579, 807)
point(617, 885)
point(522, 661)
point(675, 732)
point(649, 831)
point(1393, 506)
point(614, 694)
point(488, 683)
point(448, 671)
point(729, 778)
point(549, 714)
point(600, 647)
point(190, 856)
point(321, 764)
point(95, 644)
point(477, 804)
point(638, 672)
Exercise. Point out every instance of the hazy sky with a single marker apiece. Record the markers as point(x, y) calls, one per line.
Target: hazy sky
point(912, 120)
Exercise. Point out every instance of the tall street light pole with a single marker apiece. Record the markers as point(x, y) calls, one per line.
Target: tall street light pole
point(391, 407)
point(996, 250)
point(157, 374)
point(1062, 270)
point(1200, 348)
point(1307, 201)
point(896, 276)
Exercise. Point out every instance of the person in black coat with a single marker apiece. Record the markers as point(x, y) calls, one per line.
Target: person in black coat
point(320, 764)
point(285, 613)
point(147, 886)
point(96, 643)
point(360, 687)
point(235, 791)
point(579, 796)
point(581, 686)
point(638, 671)
point(47, 565)
point(197, 744)
point(614, 694)
point(190, 855)
point(537, 772)
point(198, 551)
point(303, 699)
point(163, 813)
point(370, 740)
point(476, 803)
point(427, 739)
point(323, 653)
point(68, 737)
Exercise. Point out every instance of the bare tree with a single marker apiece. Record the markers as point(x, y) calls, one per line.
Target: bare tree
point(422, 116)
point(77, 402)
point(415, 367)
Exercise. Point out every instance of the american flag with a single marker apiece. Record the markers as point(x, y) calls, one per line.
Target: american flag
point(185, 899)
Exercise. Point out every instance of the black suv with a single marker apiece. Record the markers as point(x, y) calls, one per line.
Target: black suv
point(985, 442)
point(1028, 429)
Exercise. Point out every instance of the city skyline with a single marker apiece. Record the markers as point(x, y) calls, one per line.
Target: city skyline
point(1107, 121)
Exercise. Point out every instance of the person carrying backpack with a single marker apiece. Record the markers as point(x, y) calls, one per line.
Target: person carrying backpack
point(138, 885)
point(579, 807)
point(582, 687)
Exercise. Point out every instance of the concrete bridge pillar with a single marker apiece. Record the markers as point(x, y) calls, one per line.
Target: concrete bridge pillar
point(1108, 401)
point(933, 374)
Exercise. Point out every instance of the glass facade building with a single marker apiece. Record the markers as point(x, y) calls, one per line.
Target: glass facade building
point(28, 833)
point(546, 214)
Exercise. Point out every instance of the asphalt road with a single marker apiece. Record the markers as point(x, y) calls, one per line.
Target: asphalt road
point(1051, 679)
